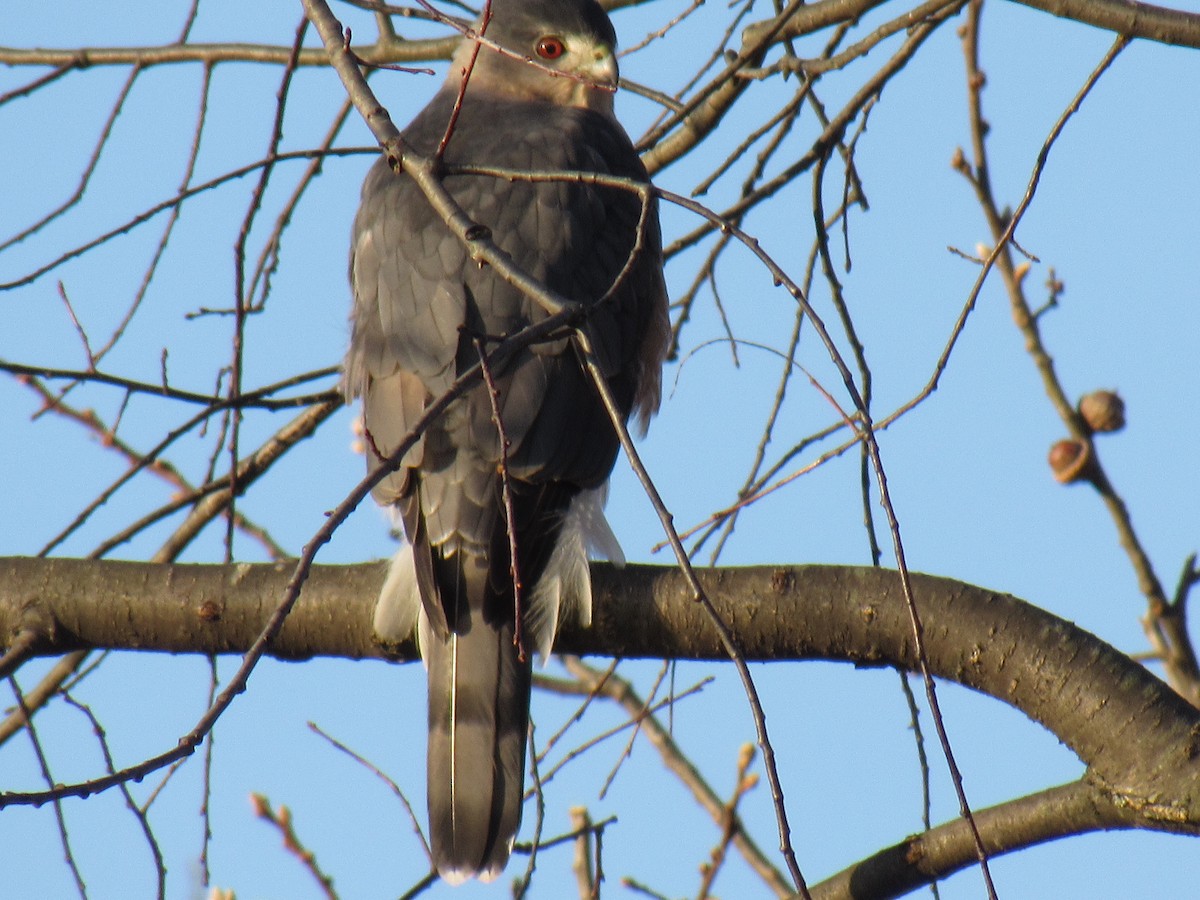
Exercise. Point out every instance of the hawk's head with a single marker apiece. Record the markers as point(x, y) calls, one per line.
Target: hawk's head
point(557, 51)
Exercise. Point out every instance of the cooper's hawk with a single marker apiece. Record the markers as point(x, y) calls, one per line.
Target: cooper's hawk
point(420, 305)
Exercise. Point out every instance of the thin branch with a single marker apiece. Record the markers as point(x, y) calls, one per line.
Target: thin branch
point(380, 53)
point(178, 199)
point(259, 398)
point(26, 713)
point(1165, 630)
point(282, 820)
point(382, 776)
point(506, 499)
point(139, 814)
point(743, 784)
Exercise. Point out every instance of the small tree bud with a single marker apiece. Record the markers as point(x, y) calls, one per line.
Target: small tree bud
point(1103, 411)
point(1069, 460)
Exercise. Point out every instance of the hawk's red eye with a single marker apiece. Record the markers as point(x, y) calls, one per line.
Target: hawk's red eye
point(550, 48)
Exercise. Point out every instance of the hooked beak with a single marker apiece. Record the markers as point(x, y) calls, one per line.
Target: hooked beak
point(603, 69)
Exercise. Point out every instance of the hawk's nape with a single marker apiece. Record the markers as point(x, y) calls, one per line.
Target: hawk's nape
point(420, 306)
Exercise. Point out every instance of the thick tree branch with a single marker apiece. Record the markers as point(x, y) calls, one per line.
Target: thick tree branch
point(1136, 735)
point(1135, 20)
point(1140, 740)
point(1076, 808)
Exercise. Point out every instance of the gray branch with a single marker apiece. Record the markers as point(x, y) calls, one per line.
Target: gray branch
point(1137, 736)
point(1137, 20)
point(1139, 740)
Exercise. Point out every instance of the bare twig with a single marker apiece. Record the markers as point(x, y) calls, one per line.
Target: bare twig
point(506, 499)
point(139, 814)
point(26, 713)
point(282, 820)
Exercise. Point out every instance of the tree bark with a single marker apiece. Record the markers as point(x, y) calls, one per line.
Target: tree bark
point(1139, 739)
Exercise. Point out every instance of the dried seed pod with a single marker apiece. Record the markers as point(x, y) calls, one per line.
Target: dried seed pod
point(1069, 460)
point(1103, 411)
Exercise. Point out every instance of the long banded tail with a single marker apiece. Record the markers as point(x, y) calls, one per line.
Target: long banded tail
point(478, 723)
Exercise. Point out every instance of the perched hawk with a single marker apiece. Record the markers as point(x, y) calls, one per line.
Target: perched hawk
point(419, 305)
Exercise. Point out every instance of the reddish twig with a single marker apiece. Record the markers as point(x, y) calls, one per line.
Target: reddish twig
point(282, 820)
point(510, 514)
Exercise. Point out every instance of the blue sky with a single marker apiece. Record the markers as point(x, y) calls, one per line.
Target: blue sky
point(1117, 216)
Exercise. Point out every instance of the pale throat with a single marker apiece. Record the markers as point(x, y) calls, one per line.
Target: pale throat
point(516, 79)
